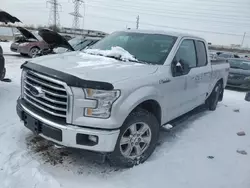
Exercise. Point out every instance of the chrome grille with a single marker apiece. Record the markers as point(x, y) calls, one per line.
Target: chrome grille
point(53, 99)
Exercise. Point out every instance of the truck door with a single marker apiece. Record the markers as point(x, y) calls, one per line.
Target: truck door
point(203, 74)
point(184, 71)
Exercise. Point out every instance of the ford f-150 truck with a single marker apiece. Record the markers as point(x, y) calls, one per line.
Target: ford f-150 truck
point(114, 97)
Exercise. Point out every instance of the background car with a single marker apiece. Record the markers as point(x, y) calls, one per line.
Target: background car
point(226, 55)
point(59, 44)
point(29, 44)
point(239, 73)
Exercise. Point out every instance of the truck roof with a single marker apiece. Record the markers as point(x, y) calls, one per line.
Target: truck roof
point(171, 33)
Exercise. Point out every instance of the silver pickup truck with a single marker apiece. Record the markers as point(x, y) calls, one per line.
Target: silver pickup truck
point(114, 97)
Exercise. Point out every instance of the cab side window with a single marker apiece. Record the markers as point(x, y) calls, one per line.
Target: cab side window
point(187, 53)
point(201, 53)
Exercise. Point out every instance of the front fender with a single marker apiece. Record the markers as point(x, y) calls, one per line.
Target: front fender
point(137, 97)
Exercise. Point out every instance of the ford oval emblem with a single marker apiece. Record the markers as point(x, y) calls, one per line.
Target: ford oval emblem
point(36, 91)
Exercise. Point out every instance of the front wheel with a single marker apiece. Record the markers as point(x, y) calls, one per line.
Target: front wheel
point(214, 97)
point(137, 140)
point(33, 52)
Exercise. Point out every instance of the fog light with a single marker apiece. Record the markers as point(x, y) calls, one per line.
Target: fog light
point(93, 138)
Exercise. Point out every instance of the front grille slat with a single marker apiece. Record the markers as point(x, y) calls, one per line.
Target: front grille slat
point(43, 103)
point(53, 98)
point(44, 84)
point(43, 109)
point(49, 92)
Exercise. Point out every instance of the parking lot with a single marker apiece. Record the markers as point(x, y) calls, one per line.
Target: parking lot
point(201, 152)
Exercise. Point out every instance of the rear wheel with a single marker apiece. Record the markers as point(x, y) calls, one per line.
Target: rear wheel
point(214, 97)
point(137, 140)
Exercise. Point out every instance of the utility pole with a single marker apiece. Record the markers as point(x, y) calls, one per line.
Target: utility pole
point(54, 14)
point(76, 13)
point(243, 39)
point(137, 22)
point(84, 14)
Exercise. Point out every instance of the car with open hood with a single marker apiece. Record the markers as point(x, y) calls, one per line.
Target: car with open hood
point(29, 44)
point(239, 73)
point(5, 18)
point(59, 44)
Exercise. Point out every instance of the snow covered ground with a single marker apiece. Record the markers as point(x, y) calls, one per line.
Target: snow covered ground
point(180, 161)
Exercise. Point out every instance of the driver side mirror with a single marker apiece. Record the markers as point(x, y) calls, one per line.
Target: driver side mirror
point(179, 68)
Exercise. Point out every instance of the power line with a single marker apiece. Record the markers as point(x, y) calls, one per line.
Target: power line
point(168, 8)
point(194, 3)
point(170, 15)
point(164, 26)
point(54, 14)
point(76, 13)
point(175, 11)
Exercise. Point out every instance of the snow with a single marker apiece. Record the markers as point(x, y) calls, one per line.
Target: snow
point(116, 51)
point(180, 160)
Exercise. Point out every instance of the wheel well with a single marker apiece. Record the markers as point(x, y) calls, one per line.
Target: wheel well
point(35, 47)
point(221, 81)
point(151, 106)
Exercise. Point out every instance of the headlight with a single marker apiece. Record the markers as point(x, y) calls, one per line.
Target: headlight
point(104, 99)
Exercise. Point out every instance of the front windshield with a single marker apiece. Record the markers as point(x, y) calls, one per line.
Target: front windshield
point(79, 43)
point(240, 64)
point(149, 48)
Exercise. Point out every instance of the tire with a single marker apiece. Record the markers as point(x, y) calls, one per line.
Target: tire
point(214, 97)
point(33, 51)
point(140, 118)
point(2, 74)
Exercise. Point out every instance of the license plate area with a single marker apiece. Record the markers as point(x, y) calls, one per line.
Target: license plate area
point(38, 127)
point(32, 124)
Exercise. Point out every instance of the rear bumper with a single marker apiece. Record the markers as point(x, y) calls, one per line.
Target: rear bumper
point(13, 49)
point(67, 135)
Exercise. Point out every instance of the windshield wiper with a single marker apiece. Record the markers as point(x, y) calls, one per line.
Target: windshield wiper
point(121, 59)
point(117, 58)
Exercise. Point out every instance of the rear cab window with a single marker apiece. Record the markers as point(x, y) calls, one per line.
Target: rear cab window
point(201, 53)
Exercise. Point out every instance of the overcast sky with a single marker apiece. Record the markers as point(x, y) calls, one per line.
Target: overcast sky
point(218, 21)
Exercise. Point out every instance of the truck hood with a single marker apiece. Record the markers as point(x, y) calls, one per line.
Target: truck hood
point(54, 39)
point(27, 34)
point(95, 68)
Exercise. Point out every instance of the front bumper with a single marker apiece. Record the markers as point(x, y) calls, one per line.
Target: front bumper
point(67, 135)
